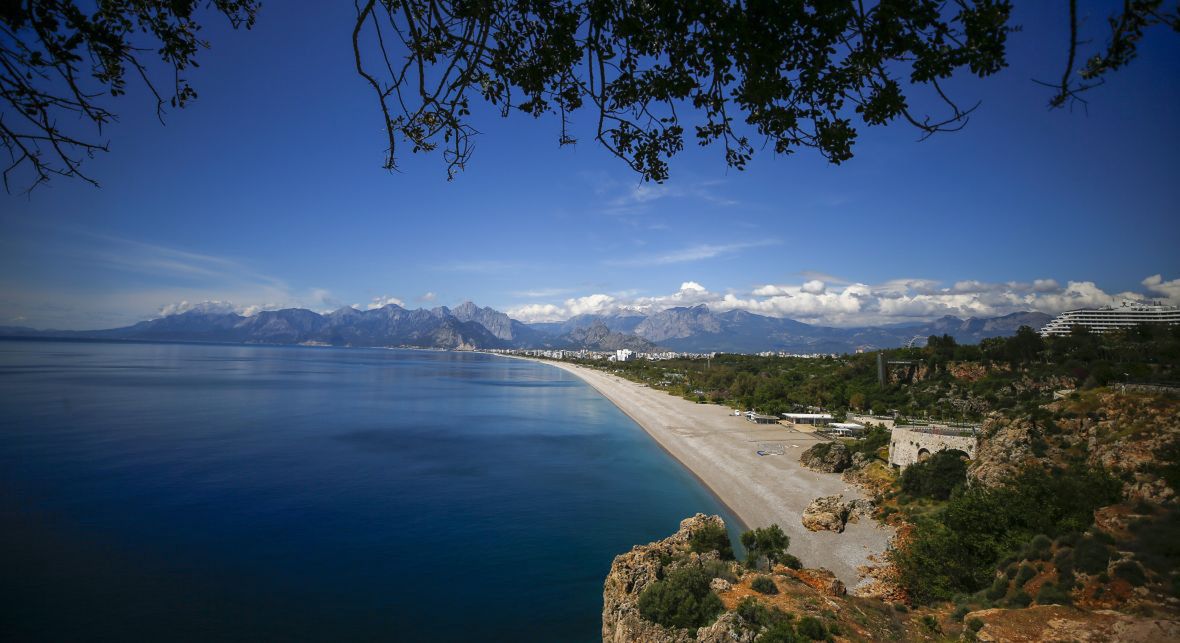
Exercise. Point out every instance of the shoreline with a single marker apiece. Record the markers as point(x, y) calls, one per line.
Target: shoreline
point(719, 450)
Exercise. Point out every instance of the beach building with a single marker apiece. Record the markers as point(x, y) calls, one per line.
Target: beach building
point(886, 421)
point(813, 419)
point(846, 429)
point(758, 418)
point(1108, 318)
point(623, 354)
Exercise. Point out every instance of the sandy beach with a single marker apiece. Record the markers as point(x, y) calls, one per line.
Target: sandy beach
point(721, 450)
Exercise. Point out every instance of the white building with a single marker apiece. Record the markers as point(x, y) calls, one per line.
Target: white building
point(808, 418)
point(623, 354)
point(1108, 318)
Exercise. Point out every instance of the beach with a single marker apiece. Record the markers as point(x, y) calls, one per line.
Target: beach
point(721, 450)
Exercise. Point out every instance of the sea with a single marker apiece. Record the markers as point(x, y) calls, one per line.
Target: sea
point(175, 492)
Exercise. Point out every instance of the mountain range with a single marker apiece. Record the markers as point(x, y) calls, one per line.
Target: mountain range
point(468, 326)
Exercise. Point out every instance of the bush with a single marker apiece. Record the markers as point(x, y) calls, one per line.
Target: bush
point(765, 542)
point(956, 549)
point(975, 624)
point(711, 537)
point(683, 599)
point(764, 585)
point(1025, 574)
point(936, 477)
point(998, 589)
point(812, 628)
point(1020, 599)
point(1051, 594)
point(960, 612)
point(1063, 561)
point(779, 633)
point(758, 615)
point(719, 569)
point(1091, 556)
point(1040, 547)
point(1131, 572)
point(931, 624)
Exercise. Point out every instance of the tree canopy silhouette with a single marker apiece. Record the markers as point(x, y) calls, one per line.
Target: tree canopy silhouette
point(785, 74)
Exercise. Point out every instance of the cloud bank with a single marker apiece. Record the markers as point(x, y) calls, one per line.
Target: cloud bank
point(837, 302)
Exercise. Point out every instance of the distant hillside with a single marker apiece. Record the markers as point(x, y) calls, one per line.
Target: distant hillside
point(692, 329)
point(698, 329)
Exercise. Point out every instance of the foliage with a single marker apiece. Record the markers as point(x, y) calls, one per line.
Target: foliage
point(61, 56)
point(1051, 594)
point(1020, 599)
point(958, 547)
point(1091, 555)
point(781, 632)
point(718, 569)
point(937, 476)
point(1025, 574)
point(711, 537)
point(683, 599)
point(764, 585)
point(812, 628)
point(1131, 572)
point(765, 542)
point(974, 624)
point(931, 624)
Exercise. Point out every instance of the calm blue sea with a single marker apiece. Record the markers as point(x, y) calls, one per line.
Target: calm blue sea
point(201, 492)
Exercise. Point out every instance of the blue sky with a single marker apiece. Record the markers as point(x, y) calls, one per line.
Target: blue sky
point(268, 192)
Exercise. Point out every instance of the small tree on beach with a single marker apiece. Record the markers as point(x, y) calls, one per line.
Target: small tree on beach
point(765, 542)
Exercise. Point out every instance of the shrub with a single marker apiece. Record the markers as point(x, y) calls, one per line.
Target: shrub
point(1040, 547)
point(998, 589)
point(1020, 599)
point(812, 628)
point(764, 585)
point(901, 607)
point(937, 476)
point(683, 599)
point(956, 549)
point(1131, 572)
point(1063, 561)
point(1024, 575)
point(765, 542)
point(1091, 556)
point(758, 615)
point(1051, 594)
point(931, 624)
point(960, 612)
point(974, 624)
point(779, 633)
point(711, 537)
point(719, 569)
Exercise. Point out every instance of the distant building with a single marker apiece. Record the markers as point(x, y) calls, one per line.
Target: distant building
point(1108, 318)
point(623, 354)
point(846, 429)
point(808, 418)
point(758, 418)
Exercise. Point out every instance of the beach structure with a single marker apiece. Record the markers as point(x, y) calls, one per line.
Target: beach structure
point(845, 429)
point(1109, 318)
point(912, 444)
point(813, 419)
point(758, 418)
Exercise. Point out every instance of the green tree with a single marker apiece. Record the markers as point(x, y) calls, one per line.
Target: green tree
point(768, 543)
point(786, 76)
point(683, 599)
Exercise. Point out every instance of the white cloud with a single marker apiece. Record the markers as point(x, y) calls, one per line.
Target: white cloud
point(384, 300)
point(1169, 289)
point(208, 307)
point(691, 253)
point(855, 304)
point(427, 296)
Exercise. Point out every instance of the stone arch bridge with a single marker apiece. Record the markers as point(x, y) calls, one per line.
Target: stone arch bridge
point(912, 444)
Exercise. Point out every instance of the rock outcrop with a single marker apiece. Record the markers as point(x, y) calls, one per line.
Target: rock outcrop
point(831, 513)
point(634, 571)
point(827, 457)
point(1123, 432)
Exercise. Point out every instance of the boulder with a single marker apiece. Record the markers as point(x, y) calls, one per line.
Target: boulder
point(828, 457)
point(828, 513)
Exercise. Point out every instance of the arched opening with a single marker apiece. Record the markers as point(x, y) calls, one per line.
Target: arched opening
point(923, 455)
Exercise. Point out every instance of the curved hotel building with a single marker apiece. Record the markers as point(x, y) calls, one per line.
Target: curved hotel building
point(1108, 318)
